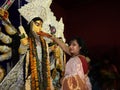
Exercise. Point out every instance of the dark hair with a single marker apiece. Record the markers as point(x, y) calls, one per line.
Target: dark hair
point(82, 44)
point(37, 18)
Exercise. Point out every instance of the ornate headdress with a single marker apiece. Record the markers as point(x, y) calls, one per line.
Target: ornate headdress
point(41, 8)
point(36, 8)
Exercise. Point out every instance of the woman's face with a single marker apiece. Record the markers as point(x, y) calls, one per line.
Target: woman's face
point(74, 48)
point(37, 26)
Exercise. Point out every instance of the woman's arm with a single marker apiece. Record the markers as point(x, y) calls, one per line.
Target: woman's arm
point(64, 47)
point(61, 44)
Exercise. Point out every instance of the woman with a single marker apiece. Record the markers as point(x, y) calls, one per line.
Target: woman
point(75, 77)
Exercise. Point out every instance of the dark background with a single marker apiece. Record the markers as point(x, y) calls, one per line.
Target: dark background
point(96, 21)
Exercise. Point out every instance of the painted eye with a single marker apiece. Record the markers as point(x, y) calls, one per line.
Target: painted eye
point(37, 24)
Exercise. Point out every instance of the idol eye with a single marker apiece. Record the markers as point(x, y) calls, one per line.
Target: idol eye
point(37, 24)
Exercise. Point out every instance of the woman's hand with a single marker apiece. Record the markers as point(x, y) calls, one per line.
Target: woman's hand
point(41, 33)
point(64, 47)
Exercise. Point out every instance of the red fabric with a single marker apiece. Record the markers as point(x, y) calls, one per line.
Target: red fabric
point(84, 64)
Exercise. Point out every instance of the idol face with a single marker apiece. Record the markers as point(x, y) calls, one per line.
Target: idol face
point(37, 26)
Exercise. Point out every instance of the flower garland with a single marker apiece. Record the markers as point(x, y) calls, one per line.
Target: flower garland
point(45, 66)
point(36, 79)
point(33, 67)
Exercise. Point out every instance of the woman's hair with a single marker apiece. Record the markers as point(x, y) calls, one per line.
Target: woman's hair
point(81, 43)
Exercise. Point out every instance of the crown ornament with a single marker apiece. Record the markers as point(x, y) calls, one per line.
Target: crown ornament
point(41, 8)
point(34, 9)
